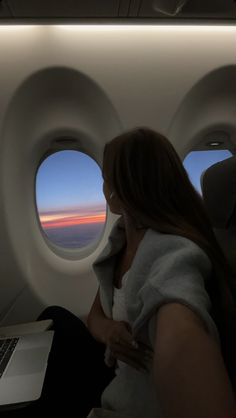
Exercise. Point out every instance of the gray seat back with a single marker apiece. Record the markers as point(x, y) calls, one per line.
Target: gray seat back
point(218, 184)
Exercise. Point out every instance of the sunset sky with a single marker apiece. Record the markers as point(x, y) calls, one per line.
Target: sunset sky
point(69, 186)
point(60, 219)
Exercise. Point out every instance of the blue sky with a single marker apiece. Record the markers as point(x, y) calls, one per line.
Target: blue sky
point(198, 161)
point(68, 179)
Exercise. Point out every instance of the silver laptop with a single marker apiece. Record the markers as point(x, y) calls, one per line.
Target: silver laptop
point(23, 366)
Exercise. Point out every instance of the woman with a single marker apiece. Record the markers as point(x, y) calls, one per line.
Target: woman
point(165, 306)
point(166, 302)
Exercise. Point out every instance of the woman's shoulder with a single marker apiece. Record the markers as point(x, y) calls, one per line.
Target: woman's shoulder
point(171, 242)
point(159, 250)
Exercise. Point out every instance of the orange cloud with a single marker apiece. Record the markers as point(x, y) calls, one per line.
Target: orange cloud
point(57, 221)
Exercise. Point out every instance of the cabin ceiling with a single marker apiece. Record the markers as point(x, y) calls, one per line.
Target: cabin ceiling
point(14, 10)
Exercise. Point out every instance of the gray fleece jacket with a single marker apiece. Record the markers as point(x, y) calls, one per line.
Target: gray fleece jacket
point(166, 268)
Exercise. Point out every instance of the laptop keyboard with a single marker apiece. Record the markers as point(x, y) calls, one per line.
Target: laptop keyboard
point(7, 347)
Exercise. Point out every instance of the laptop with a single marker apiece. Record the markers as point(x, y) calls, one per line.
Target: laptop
point(23, 366)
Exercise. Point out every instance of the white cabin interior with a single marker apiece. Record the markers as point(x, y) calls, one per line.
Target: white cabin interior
point(89, 80)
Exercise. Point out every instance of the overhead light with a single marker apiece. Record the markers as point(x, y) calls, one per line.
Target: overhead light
point(215, 143)
point(169, 7)
point(217, 139)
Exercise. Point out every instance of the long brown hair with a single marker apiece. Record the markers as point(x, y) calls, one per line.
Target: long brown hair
point(142, 167)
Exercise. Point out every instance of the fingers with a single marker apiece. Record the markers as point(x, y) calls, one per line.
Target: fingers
point(127, 340)
point(132, 362)
point(125, 336)
point(124, 348)
point(120, 335)
point(139, 359)
point(138, 354)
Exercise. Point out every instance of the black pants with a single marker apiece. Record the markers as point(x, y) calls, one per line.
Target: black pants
point(76, 374)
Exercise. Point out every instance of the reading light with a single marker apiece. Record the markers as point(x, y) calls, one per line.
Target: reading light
point(215, 143)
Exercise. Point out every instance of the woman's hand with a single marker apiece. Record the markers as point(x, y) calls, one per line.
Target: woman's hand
point(122, 346)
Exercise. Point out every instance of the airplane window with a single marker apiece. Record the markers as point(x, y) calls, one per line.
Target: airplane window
point(198, 161)
point(69, 198)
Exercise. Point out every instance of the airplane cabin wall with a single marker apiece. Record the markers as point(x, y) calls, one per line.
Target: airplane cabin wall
point(90, 83)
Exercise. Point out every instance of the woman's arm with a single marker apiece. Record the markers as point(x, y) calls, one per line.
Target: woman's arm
point(190, 375)
point(117, 335)
point(97, 321)
point(105, 329)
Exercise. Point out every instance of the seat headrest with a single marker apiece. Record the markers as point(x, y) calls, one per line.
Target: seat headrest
point(218, 184)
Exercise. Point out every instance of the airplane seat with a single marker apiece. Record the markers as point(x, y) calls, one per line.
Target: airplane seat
point(218, 185)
